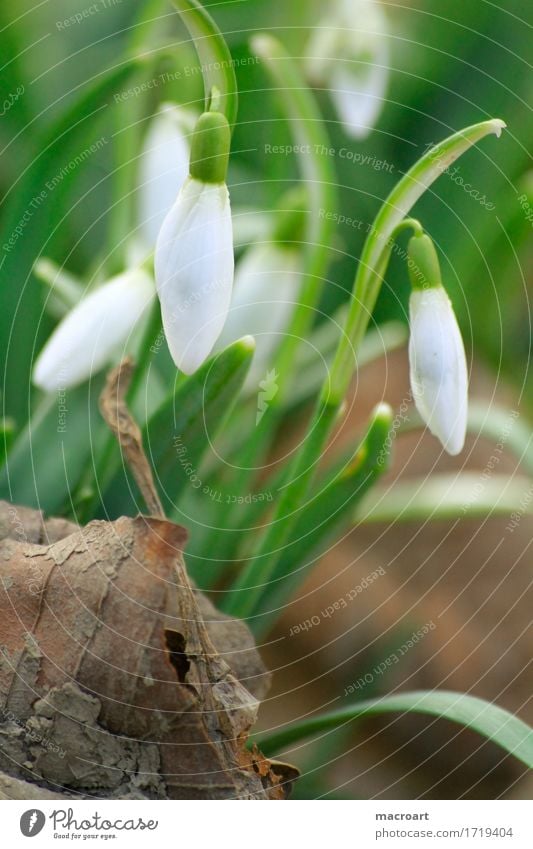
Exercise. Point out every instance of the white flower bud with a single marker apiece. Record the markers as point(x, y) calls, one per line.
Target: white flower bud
point(348, 53)
point(194, 271)
point(94, 331)
point(164, 166)
point(438, 370)
point(267, 283)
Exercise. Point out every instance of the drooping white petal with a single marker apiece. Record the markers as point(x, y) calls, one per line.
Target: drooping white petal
point(438, 371)
point(163, 168)
point(358, 93)
point(89, 335)
point(267, 282)
point(348, 53)
point(194, 271)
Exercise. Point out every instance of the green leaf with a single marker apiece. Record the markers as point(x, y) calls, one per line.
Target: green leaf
point(492, 722)
point(215, 58)
point(318, 175)
point(31, 221)
point(368, 280)
point(321, 517)
point(466, 495)
point(178, 434)
point(307, 128)
point(48, 458)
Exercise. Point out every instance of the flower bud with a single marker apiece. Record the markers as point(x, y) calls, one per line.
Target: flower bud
point(348, 53)
point(267, 284)
point(94, 331)
point(438, 371)
point(194, 252)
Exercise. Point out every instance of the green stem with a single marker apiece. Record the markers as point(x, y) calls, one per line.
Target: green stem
point(246, 594)
point(249, 587)
point(318, 175)
point(371, 265)
point(327, 508)
point(220, 85)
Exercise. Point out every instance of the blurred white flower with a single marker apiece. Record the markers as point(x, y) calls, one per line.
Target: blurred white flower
point(267, 283)
point(164, 166)
point(194, 271)
point(438, 370)
point(348, 53)
point(94, 331)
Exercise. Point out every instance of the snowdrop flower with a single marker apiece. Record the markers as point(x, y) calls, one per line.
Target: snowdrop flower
point(164, 165)
point(348, 53)
point(438, 372)
point(194, 252)
point(94, 331)
point(267, 282)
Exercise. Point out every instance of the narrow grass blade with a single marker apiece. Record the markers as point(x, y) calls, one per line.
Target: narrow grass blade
point(491, 721)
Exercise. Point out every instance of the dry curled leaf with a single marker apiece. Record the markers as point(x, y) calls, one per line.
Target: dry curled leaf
point(106, 687)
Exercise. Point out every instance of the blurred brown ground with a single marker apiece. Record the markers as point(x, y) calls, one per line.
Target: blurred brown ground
point(469, 577)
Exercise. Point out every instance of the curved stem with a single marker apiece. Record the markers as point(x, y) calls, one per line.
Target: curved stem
point(370, 271)
point(318, 175)
point(397, 205)
point(220, 85)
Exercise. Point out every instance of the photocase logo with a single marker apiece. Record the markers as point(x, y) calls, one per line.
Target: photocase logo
point(268, 387)
point(32, 822)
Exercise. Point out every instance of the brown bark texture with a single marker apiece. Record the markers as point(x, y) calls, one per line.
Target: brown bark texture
point(118, 679)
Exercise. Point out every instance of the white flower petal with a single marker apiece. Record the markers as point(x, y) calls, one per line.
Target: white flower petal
point(194, 271)
point(267, 283)
point(358, 94)
point(164, 166)
point(348, 53)
point(89, 334)
point(438, 371)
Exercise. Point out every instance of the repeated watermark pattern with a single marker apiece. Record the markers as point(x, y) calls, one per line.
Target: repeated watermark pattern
point(393, 658)
point(31, 735)
point(216, 495)
point(85, 14)
point(11, 99)
point(492, 462)
point(517, 515)
point(455, 177)
point(340, 604)
point(356, 157)
point(38, 199)
point(525, 205)
point(184, 72)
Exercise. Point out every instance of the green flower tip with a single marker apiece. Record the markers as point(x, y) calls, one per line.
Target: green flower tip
point(423, 263)
point(382, 413)
point(210, 148)
point(247, 344)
